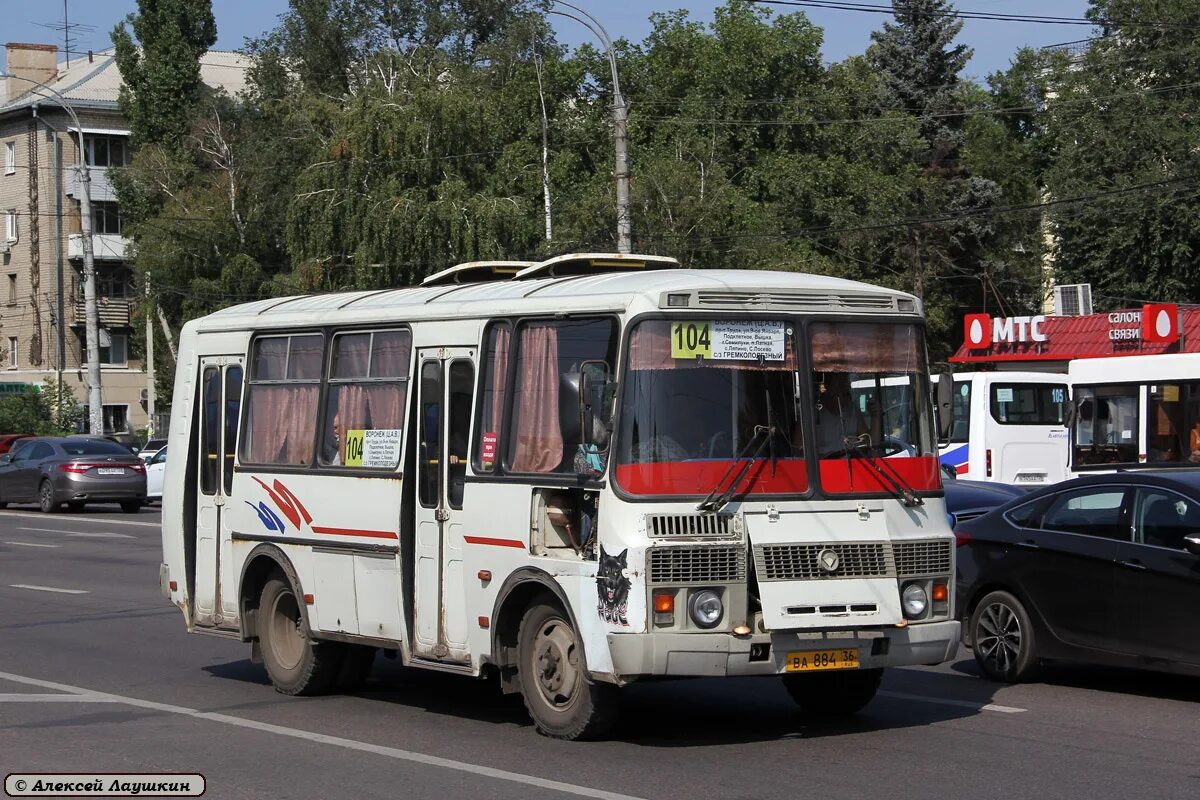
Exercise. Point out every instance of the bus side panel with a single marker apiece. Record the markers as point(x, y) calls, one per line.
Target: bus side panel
point(179, 498)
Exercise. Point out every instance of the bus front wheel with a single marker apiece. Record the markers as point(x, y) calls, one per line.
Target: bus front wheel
point(296, 664)
point(561, 700)
point(833, 694)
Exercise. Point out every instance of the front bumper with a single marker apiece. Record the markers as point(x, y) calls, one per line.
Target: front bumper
point(723, 654)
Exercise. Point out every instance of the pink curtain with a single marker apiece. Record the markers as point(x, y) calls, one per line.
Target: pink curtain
point(304, 361)
point(301, 425)
point(865, 347)
point(501, 337)
point(539, 440)
point(350, 357)
point(282, 422)
point(386, 404)
point(650, 348)
point(271, 359)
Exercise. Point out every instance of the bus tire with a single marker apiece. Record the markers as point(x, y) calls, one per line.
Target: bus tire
point(357, 662)
point(562, 702)
point(296, 664)
point(833, 694)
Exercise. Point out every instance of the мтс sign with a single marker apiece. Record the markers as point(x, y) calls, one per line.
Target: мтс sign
point(983, 330)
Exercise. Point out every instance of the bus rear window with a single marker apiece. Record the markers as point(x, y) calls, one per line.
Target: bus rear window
point(1029, 403)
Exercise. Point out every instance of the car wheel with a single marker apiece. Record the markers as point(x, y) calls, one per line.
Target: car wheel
point(46, 500)
point(1002, 638)
point(561, 700)
point(296, 664)
point(833, 694)
point(131, 506)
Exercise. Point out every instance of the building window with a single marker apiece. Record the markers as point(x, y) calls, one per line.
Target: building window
point(116, 420)
point(105, 151)
point(12, 289)
point(115, 353)
point(10, 225)
point(105, 218)
point(12, 352)
point(114, 285)
point(10, 158)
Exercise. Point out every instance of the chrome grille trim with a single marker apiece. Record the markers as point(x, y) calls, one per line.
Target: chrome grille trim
point(690, 526)
point(801, 301)
point(924, 558)
point(800, 562)
point(682, 566)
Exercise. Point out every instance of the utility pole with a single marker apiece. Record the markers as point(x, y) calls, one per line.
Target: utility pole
point(620, 125)
point(91, 312)
point(149, 362)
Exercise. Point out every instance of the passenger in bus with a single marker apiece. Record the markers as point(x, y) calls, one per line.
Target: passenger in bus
point(1194, 443)
point(837, 416)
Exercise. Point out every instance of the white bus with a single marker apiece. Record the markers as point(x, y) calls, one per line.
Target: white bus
point(1009, 427)
point(594, 470)
point(1132, 411)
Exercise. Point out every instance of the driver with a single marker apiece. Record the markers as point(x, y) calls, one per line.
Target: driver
point(837, 416)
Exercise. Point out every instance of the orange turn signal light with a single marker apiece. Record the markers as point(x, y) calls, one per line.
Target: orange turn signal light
point(941, 593)
point(308, 599)
point(664, 603)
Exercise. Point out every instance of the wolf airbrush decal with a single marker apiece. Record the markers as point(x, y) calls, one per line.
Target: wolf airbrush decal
point(613, 587)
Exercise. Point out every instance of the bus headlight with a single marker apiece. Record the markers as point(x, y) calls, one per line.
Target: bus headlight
point(705, 608)
point(914, 601)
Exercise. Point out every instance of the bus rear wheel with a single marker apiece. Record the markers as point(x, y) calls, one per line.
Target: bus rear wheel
point(296, 664)
point(561, 700)
point(834, 694)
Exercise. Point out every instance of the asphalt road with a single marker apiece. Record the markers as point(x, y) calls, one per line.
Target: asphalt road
point(97, 674)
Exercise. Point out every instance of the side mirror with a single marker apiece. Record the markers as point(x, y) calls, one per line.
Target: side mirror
point(945, 406)
point(1191, 543)
point(595, 395)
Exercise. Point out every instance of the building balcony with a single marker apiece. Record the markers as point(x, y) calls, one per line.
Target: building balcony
point(102, 188)
point(114, 313)
point(105, 246)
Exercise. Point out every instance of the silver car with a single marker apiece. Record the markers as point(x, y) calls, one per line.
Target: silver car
point(73, 470)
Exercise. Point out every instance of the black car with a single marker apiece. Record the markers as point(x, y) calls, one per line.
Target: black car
point(966, 500)
point(1103, 569)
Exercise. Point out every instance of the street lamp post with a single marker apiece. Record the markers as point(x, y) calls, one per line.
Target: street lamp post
point(620, 125)
point(91, 312)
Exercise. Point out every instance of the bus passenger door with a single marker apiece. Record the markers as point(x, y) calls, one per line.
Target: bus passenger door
point(220, 413)
point(444, 393)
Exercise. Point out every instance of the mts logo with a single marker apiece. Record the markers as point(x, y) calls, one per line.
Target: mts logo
point(983, 330)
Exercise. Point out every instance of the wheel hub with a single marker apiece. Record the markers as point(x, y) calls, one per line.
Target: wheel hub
point(556, 663)
point(1000, 636)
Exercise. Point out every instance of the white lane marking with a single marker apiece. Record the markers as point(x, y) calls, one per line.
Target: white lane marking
point(336, 741)
point(33, 544)
point(920, 698)
point(87, 518)
point(55, 698)
point(46, 588)
point(93, 534)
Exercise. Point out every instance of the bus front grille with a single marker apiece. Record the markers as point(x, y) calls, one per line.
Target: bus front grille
point(679, 566)
point(689, 526)
point(806, 562)
point(923, 558)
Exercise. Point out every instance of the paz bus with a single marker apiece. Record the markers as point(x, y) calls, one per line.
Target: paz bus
point(1009, 427)
point(1135, 411)
point(571, 474)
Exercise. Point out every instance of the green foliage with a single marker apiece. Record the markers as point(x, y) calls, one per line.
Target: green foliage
point(40, 412)
point(65, 411)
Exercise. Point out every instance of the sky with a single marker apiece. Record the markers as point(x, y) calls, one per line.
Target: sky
point(846, 32)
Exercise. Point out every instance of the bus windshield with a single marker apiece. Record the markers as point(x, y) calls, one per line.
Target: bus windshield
point(695, 394)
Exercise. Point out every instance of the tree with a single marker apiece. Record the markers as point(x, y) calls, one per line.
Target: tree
point(1122, 131)
point(28, 412)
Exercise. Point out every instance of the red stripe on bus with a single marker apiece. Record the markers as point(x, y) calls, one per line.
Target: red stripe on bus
point(850, 476)
point(700, 476)
point(355, 532)
point(494, 542)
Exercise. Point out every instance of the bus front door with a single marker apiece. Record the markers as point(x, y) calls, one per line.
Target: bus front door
point(219, 411)
point(444, 396)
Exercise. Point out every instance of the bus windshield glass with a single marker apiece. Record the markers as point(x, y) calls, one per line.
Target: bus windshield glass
point(698, 394)
point(871, 411)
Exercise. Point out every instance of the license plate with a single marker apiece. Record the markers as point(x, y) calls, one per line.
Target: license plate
point(1028, 478)
point(110, 471)
point(817, 660)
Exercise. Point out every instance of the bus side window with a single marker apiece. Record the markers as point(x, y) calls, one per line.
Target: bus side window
point(494, 390)
point(210, 438)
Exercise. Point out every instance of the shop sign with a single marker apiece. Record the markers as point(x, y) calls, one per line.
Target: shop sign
point(983, 330)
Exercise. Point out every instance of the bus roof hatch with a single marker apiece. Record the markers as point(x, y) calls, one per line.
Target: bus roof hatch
point(594, 264)
point(478, 272)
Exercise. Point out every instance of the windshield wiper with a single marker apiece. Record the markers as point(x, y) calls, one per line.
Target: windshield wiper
point(900, 488)
point(716, 499)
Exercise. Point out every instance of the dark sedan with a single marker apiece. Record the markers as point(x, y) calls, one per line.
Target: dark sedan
point(73, 470)
point(1102, 569)
point(966, 500)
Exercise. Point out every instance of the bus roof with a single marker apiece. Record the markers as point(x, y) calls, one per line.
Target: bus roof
point(1134, 369)
point(718, 290)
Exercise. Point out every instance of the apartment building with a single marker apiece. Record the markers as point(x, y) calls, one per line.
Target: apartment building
point(41, 246)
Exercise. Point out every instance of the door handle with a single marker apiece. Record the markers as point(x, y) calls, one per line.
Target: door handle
point(1028, 544)
point(1133, 564)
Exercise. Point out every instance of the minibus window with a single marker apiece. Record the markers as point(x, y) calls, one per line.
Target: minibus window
point(233, 414)
point(210, 439)
point(1106, 425)
point(281, 400)
point(368, 390)
point(429, 476)
point(458, 426)
point(491, 400)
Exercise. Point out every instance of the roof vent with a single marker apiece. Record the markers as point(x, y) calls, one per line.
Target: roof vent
point(477, 272)
point(595, 264)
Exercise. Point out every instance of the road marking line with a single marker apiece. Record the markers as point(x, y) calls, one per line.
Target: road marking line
point(46, 588)
point(959, 703)
point(55, 698)
point(88, 518)
point(93, 534)
point(33, 544)
point(337, 741)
